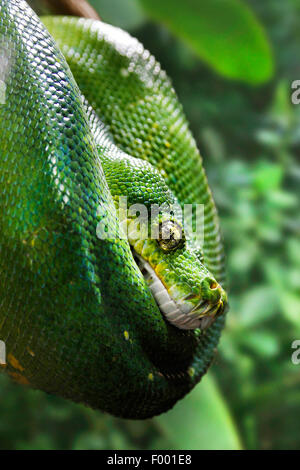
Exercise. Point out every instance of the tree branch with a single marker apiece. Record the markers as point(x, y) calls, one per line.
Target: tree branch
point(73, 8)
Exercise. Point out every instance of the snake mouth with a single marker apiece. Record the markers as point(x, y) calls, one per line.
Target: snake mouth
point(179, 313)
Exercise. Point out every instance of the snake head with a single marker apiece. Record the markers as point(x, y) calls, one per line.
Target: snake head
point(186, 293)
point(168, 252)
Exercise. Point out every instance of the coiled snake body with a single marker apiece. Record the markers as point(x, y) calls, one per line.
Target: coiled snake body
point(128, 326)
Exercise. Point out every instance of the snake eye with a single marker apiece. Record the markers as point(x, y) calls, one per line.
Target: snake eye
point(170, 235)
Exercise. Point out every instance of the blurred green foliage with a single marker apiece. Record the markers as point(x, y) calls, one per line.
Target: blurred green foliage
point(250, 140)
point(226, 35)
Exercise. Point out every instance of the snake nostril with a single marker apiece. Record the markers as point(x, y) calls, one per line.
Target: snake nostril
point(211, 283)
point(211, 290)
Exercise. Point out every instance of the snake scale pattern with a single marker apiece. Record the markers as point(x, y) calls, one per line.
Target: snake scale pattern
point(125, 325)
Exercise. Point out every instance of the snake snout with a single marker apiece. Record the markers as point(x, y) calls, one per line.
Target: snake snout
point(210, 290)
point(189, 311)
point(212, 303)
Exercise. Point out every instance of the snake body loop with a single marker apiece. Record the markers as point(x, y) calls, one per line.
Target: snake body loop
point(125, 325)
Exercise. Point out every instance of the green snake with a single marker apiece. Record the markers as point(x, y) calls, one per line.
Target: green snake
point(127, 325)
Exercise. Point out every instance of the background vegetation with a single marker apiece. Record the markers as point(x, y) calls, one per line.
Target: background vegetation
point(233, 76)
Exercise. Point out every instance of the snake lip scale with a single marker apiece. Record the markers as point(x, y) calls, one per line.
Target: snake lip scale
point(176, 312)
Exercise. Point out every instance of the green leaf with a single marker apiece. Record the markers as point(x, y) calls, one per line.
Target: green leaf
point(126, 14)
point(200, 421)
point(89, 440)
point(267, 176)
point(290, 304)
point(262, 343)
point(224, 33)
point(257, 305)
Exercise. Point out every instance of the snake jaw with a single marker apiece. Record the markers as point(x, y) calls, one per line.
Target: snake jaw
point(181, 314)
